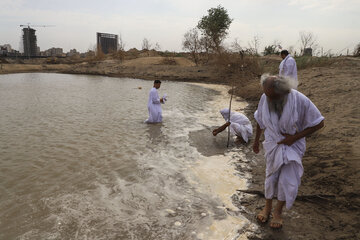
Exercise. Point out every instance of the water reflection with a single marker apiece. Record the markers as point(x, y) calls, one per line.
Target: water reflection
point(155, 133)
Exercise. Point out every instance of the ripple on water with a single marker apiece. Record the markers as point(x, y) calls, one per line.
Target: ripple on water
point(80, 163)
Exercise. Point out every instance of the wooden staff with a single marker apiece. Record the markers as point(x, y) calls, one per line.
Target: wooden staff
point(232, 91)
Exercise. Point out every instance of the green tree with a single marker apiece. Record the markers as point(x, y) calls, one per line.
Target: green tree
point(215, 25)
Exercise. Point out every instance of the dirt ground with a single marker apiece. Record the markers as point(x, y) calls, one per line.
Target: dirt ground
point(148, 68)
point(328, 205)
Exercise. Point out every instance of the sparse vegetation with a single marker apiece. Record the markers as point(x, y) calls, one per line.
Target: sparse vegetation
point(254, 45)
point(308, 61)
point(120, 55)
point(100, 55)
point(192, 43)
point(168, 61)
point(357, 50)
point(146, 45)
point(271, 49)
point(242, 71)
point(308, 41)
point(121, 45)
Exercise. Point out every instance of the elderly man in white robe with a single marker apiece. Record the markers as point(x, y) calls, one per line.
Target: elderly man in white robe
point(287, 116)
point(288, 67)
point(240, 125)
point(154, 104)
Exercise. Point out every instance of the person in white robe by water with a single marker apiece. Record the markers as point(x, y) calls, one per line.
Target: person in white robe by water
point(154, 104)
point(287, 116)
point(288, 67)
point(240, 125)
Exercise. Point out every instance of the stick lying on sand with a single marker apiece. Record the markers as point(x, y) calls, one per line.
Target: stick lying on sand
point(302, 197)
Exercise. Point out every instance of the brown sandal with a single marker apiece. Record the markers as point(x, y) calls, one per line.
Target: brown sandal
point(265, 217)
point(278, 222)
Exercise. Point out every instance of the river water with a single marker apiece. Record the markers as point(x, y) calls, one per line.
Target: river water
point(77, 161)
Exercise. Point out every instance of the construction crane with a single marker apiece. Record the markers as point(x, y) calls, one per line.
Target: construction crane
point(28, 25)
point(28, 35)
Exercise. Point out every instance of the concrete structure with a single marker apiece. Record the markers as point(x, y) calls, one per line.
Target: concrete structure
point(106, 42)
point(7, 51)
point(3, 51)
point(29, 42)
point(53, 52)
point(72, 52)
point(7, 47)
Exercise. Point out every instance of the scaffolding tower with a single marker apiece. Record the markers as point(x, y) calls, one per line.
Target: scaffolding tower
point(29, 42)
point(107, 42)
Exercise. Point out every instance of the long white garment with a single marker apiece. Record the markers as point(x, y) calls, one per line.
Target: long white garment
point(240, 125)
point(288, 68)
point(298, 114)
point(154, 107)
point(284, 183)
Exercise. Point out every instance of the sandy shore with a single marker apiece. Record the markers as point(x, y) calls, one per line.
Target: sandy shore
point(328, 206)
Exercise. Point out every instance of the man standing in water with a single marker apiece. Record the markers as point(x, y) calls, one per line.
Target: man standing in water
point(154, 104)
point(288, 67)
point(287, 116)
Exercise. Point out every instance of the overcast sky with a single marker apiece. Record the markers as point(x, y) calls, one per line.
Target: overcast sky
point(75, 23)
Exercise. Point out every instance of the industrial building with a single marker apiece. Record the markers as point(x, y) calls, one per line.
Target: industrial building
point(29, 42)
point(107, 42)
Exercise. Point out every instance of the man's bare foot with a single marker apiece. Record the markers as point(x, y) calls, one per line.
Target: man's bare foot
point(277, 221)
point(263, 216)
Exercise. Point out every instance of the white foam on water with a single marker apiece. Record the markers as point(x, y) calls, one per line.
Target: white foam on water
point(95, 214)
point(216, 174)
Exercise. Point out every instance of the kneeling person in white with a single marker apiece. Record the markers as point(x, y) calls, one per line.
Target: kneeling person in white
point(154, 104)
point(287, 116)
point(239, 124)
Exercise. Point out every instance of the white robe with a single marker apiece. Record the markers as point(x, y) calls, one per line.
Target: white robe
point(240, 125)
point(288, 68)
point(154, 107)
point(298, 114)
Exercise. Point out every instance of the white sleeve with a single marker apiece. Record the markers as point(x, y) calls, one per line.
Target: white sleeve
point(155, 97)
point(258, 112)
point(310, 115)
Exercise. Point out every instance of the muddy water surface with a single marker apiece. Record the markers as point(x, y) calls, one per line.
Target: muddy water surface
point(77, 161)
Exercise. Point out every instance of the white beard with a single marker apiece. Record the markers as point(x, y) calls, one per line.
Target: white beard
point(277, 106)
